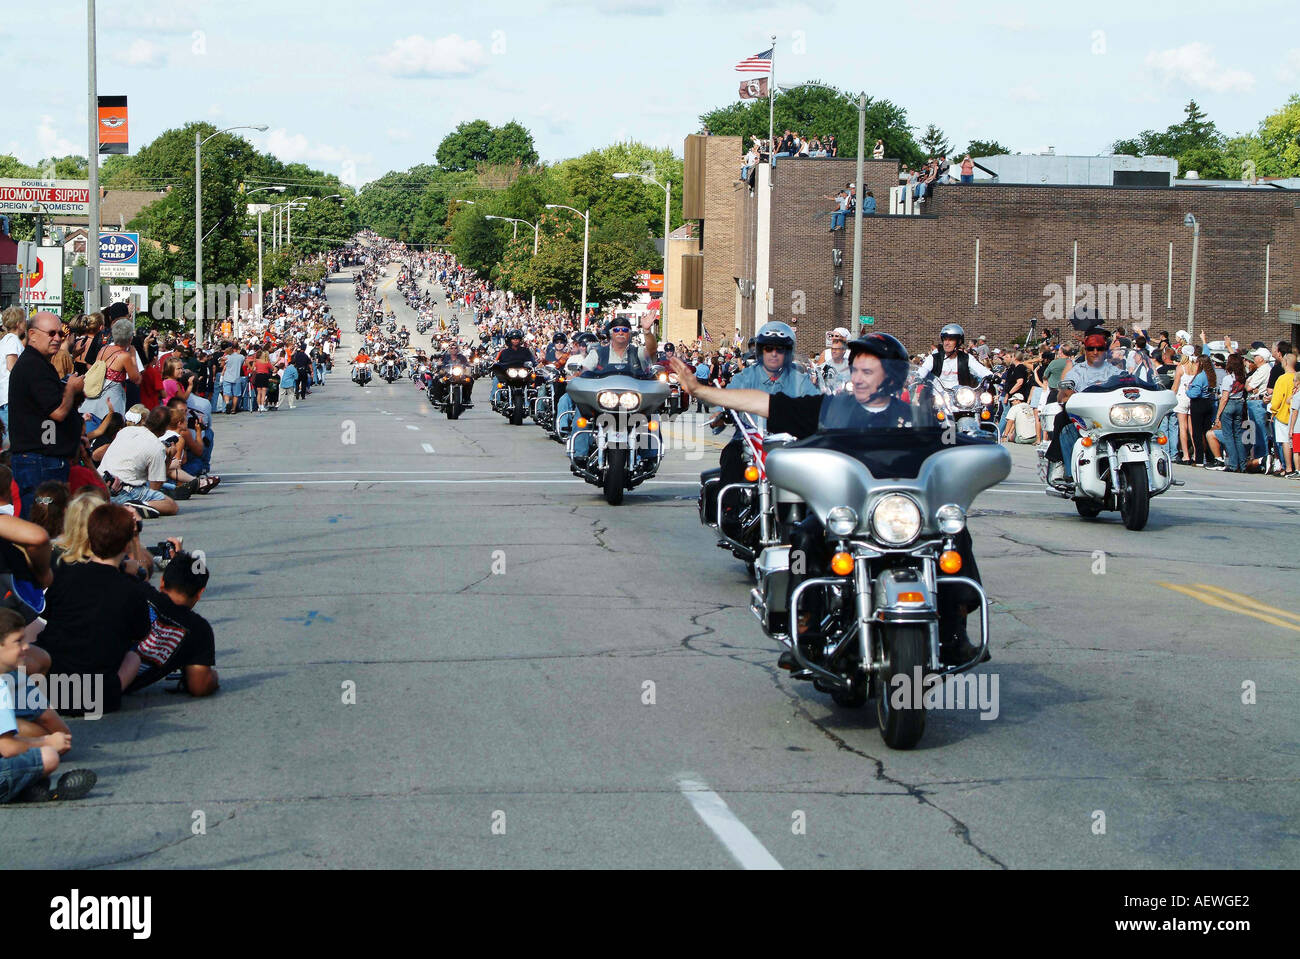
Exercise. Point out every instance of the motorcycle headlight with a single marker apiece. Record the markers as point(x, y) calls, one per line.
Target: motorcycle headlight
point(673, 378)
point(629, 401)
point(608, 399)
point(896, 519)
point(457, 371)
point(965, 396)
point(951, 519)
point(986, 398)
point(663, 377)
point(842, 520)
point(1132, 414)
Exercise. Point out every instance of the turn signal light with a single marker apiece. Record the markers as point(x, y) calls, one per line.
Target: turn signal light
point(911, 598)
point(1161, 440)
point(751, 474)
point(939, 415)
point(842, 564)
point(652, 426)
point(984, 414)
point(950, 561)
point(1086, 441)
point(582, 422)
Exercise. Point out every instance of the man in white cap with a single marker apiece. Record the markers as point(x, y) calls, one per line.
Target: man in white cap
point(833, 370)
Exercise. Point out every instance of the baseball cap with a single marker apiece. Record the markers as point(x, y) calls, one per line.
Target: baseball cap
point(1261, 353)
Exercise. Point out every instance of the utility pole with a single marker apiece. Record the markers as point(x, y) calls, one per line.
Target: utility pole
point(92, 121)
point(857, 216)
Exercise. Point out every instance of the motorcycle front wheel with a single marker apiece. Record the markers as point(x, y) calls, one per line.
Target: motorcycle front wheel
point(1135, 506)
point(1088, 508)
point(615, 475)
point(905, 650)
point(453, 411)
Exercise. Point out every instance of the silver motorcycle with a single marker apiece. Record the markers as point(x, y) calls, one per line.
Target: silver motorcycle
point(617, 420)
point(857, 589)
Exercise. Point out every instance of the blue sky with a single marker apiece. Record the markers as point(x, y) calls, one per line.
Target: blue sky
point(360, 88)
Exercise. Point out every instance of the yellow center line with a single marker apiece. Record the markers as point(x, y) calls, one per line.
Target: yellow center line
point(1221, 604)
point(1249, 601)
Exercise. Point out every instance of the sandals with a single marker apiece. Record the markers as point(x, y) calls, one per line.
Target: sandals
point(145, 510)
point(207, 483)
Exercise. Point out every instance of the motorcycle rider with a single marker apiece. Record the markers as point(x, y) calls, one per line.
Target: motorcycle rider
point(879, 367)
point(359, 362)
point(1095, 368)
point(619, 356)
point(450, 357)
point(514, 353)
point(558, 351)
point(952, 365)
point(774, 372)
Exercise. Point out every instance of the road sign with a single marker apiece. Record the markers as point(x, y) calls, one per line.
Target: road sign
point(26, 256)
point(56, 197)
point(184, 284)
point(868, 320)
point(593, 306)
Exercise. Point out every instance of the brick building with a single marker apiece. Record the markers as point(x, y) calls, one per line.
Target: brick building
point(987, 255)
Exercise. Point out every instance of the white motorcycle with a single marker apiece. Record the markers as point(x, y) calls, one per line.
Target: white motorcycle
point(1121, 458)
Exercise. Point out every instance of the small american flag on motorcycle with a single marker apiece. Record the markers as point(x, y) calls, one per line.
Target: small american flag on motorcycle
point(753, 436)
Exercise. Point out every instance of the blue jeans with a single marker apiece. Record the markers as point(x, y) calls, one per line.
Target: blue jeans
point(31, 470)
point(1263, 435)
point(19, 772)
point(4, 418)
point(1069, 436)
point(968, 178)
point(201, 464)
point(1233, 448)
point(837, 219)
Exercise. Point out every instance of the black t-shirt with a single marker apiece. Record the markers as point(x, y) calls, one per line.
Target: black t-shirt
point(1019, 372)
point(95, 616)
point(1274, 373)
point(34, 393)
point(801, 415)
point(177, 637)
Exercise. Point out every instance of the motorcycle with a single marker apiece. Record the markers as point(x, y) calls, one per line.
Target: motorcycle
point(551, 384)
point(757, 511)
point(1121, 458)
point(678, 400)
point(617, 413)
point(389, 371)
point(449, 389)
point(511, 396)
point(891, 508)
point(974, 409)
point(361, 374)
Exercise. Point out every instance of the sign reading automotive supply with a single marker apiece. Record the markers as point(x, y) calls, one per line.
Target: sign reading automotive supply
point(55, 197)
point(119, 255)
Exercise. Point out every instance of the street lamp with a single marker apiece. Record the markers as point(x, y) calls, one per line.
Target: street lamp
point(586, 233)
point(273, 189)
point(1191, 221)
point(517, 221)
point(668, 196)
point(199, 140)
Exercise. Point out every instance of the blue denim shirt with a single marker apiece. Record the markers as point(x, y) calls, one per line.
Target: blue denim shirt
point(789, 381)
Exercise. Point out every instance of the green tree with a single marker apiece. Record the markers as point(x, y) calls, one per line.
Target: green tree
point(1279, 135)
point(477, 141)
point(934, 143)
point(476, 244)
point(985, 148)
point(1193, 142)
point(818, 111)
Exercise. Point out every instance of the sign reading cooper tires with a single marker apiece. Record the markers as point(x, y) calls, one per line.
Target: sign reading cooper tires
point(56, 197)
point(119, 255)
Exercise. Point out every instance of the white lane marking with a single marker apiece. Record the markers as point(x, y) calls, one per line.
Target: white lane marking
point(386, 413)
point(1166, 498)
point(427, 473)
point(410, 427)
point(743, 845)
point(428, 448)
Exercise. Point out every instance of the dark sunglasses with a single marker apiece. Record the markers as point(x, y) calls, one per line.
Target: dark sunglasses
point(769, 348)
point(1093, 349)
point(620, 329)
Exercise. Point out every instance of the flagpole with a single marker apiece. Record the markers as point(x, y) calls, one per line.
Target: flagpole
point(771, 111)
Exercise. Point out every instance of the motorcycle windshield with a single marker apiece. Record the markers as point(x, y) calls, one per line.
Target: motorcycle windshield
point(1124, 381)
point(892, 439)
point(601, 374)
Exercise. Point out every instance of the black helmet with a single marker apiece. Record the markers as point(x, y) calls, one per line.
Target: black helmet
point(892, 355)
point(515, 334)
point(584, 339)
point(559, 338)
point(774, 334)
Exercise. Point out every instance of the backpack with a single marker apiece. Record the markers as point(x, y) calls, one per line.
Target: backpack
point(95, 377)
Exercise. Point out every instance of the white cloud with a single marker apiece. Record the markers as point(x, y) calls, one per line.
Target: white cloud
point(52, 144)
point(417, 56)
point(1024, 93)
point(142, 53)
point(296, 148)
point(1289, 71)
point(1194, 65)
point(178, 16)
point(398, 135)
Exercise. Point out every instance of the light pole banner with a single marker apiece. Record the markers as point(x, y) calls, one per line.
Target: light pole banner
point(112, 125)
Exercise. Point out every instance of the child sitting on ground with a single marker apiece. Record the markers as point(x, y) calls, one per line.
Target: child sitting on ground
point(28, 760)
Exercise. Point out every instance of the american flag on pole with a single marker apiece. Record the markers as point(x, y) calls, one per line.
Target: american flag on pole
point(707, 338)
point(758, 63)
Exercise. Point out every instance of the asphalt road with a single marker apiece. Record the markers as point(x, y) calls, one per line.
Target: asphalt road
point(501, 715)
